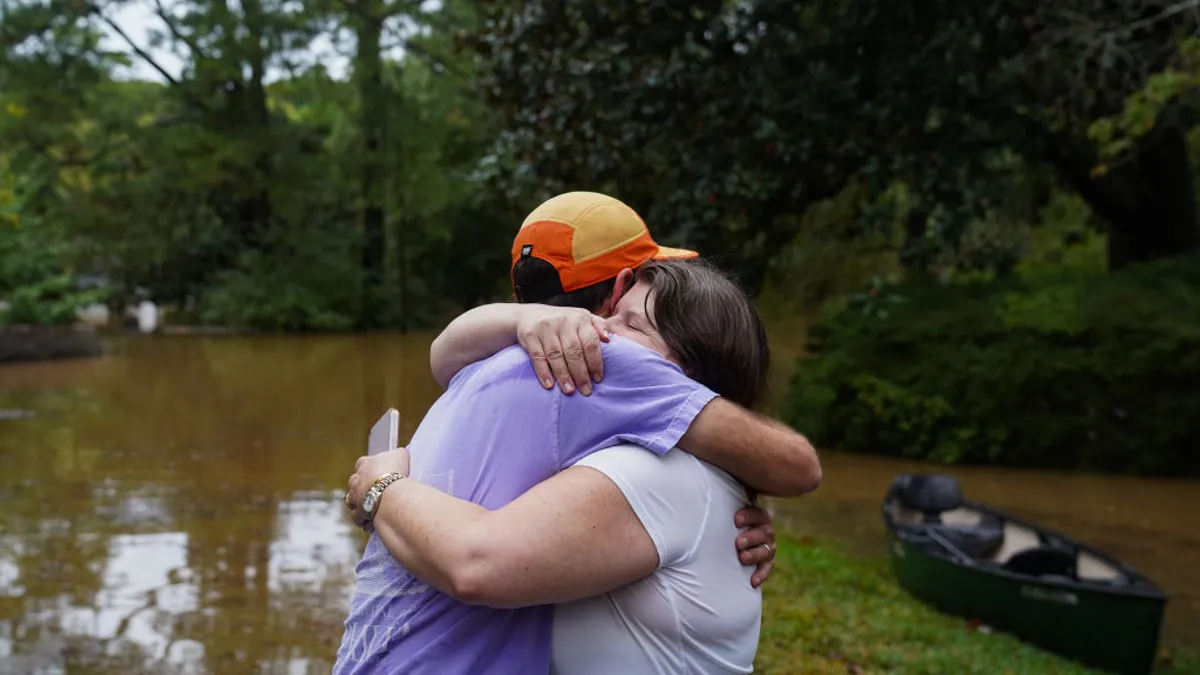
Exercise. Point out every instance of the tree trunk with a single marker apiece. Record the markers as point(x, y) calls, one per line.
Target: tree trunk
point(368, 73)
point(245, 118)
point(915, 253)
point(256, 104)
point(1162, 222)
point(402, 269)
point(1148, 203)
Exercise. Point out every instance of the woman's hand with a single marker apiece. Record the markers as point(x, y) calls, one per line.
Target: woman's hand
point(368, 470)
point(756, 546)
point(564, 345)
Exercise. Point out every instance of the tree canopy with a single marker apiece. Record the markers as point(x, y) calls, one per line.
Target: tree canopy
point(253, 181)
point(251, 185)
point(723, 120)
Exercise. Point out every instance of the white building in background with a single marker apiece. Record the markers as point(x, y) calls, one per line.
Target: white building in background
point(95, 314)
point(147, 316)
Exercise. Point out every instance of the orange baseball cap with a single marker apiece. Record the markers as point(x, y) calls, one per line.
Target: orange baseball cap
point(588, 238)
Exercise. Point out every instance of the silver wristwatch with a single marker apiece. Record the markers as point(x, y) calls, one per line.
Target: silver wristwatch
point(371, 498)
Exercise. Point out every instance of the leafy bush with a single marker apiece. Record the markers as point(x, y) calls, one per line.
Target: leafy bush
point(830, 256)
point(1082, 370)
point(35, 280)
point(50, 301)
point(289, 291)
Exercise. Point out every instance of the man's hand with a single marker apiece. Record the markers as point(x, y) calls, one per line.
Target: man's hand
point(564, 344)
point(368, 470)
point(756, 546)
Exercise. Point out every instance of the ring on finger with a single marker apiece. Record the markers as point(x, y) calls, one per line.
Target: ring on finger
point(346, 500)
point(768, 547)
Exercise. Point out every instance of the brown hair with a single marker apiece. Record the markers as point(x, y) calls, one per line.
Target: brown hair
point(710, 326)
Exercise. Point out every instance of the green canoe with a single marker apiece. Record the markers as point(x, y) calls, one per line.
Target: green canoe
point(973, 561)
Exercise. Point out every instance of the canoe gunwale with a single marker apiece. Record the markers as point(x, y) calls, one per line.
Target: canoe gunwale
point(1138, 587)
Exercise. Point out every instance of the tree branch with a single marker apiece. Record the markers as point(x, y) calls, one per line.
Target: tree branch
point(1167, 13)
point(161, 11)
point(133, 45)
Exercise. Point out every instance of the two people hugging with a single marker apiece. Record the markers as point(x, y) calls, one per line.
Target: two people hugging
point(578, 500)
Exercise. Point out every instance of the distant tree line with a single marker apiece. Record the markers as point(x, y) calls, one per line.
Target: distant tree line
point(253, 187)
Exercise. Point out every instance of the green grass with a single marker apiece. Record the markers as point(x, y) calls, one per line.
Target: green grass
point(827, 611)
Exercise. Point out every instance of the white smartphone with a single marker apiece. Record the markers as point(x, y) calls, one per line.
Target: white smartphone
point(385, 435)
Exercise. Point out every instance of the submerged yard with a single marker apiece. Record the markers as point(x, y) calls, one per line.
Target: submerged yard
point(217, 541)
point(827, 611)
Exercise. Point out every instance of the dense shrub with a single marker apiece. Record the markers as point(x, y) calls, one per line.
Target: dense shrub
point(36, 282)
point(298, 292)
point(1088, 371)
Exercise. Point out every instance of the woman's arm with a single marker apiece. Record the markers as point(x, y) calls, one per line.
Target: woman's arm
point(572, 536)
point(563, 343)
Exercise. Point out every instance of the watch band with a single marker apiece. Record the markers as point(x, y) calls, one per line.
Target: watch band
point(375, 493)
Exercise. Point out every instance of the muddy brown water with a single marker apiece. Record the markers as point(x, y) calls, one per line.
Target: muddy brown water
point(175, 506)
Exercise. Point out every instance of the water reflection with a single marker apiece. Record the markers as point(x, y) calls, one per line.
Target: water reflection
point(175, 507)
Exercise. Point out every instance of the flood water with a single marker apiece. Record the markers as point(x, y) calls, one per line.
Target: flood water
point(175, 506)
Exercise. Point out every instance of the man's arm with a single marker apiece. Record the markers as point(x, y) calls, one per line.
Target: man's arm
point(572, 536)
point(562, 342)
point(472, 336)
point(765, 454)
point(648, 401)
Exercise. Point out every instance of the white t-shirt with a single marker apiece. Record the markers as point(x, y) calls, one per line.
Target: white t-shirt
point(697, 613)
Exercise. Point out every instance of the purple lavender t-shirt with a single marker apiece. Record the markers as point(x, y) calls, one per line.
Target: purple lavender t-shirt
point(494, 434)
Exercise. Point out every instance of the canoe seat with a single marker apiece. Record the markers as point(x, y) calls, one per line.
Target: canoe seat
point(1043, 561)
point(1092, 568)
point(978, 539)
point(1017, 538)
point(935, 502)
point(931, 494)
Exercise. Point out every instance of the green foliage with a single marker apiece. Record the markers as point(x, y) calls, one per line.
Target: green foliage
point(829, 258)
point(1079, 370)
point(52, 300)
point(299, 292)
point(770, 135)
point(1064, 238)
point(746, 114)
point(35, 278)
point(1117, 135)
point(252, 187)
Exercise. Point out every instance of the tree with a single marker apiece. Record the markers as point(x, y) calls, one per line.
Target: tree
point(250, 186)
point(721, 120)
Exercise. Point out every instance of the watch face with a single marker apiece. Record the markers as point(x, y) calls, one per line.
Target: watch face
point(369, 502)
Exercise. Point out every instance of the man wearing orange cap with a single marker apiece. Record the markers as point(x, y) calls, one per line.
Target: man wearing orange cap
point(581, 250)
point(579, 240)
point(578, 252)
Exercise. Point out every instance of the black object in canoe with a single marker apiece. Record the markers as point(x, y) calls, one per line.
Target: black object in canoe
point(973, 561)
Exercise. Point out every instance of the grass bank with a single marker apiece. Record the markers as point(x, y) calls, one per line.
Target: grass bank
point(830, 612)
